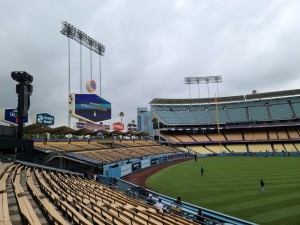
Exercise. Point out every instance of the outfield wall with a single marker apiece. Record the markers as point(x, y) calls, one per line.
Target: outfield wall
point(125, 168)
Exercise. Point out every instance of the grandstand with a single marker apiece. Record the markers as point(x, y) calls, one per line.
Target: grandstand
point(265, 122)
point(45, 191)
point(42, 196)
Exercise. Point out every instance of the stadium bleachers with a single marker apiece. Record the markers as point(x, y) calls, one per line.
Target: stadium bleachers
point(248, 110)
point(52, 197)
point(237, 148)
point(260, 148)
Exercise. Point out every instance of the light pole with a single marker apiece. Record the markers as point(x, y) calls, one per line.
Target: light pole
point(203, 80)
point(83, 39)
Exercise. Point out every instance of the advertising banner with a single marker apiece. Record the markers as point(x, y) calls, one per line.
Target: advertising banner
point(131, 126)
point(44, 119)
point(154, 161)
point(145, 163)
point(136, 166)
point(126, 169)
point(11, 116)
point(92, 126)
point(163, 159)
point(118, 126)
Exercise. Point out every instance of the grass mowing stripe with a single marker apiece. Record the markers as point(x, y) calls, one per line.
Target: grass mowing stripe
point(261, 202)
point(226, 197)
point(258, 209)
point(233, 181)
point(278, 215)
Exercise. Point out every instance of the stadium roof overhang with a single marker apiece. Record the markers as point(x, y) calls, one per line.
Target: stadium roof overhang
point(62, 130)
point(273, 94)
point(188, 101)
point(83, 131)
point(257, 96)
point(37, 129)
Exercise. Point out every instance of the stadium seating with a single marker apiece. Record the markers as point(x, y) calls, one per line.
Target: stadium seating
point(51, 197)
point(237, 148)
point(260, 148)
point(290, 148)
point(255, 135)
point(234, 135)
point(248, 110)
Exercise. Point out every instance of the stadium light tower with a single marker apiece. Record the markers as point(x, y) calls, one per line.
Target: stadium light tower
point(83, 39)
point(203, 80)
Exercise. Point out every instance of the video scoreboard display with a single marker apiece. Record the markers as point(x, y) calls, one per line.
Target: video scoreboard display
point(89, 107)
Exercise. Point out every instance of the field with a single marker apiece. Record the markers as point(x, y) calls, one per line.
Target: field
point(231, 186)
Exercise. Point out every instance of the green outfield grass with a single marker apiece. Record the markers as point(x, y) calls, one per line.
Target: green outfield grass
point(231, 186)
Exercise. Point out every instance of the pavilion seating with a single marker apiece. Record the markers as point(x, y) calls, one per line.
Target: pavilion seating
point(187, 117)
point(272, 135)
point(237, 114)
point(255, 135)
point(234, 135)
point(199, 137)
point(290, 148)
point(258, 113)
point(297, 145)
point(280, 111)
point(296, 107)
point(282, 134)
point(170, 137)
point(260, 148)
point(217, 148)
point(216, 136)
point(203, 117)
point(200, 149)
point(293, 133)
point(278, 147)
point(184, 137)
point(237, 148)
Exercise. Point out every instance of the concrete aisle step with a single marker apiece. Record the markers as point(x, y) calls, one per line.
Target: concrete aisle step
point(32, 202)
point(38, 187)
point(13, 208)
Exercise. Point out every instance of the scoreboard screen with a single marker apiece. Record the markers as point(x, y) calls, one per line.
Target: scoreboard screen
point(90, 107)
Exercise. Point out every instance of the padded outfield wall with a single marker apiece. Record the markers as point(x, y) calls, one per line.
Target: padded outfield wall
point(125, 167)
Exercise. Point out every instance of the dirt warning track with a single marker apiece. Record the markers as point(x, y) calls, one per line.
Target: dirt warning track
point(139, 178)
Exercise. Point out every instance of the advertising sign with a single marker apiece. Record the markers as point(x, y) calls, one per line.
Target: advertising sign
point(126, 169)
point(44, 119)
point(136, 166)
point(131, 126)
point(92, 126)
point(163, 159)
point(11, 116)
point(154, 161)
point(118, 126)
point(145, 163)
point(89, 107)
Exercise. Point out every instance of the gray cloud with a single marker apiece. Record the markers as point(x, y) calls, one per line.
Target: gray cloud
point(150, 47)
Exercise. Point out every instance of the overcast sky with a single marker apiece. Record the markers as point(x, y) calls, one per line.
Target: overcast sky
point(150, 47)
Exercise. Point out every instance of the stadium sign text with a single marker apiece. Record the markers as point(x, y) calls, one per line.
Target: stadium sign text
point(11, 116)
point(118, 126)
point(44, 119)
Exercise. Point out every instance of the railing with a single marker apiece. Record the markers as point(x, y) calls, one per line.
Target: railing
point(187, 210)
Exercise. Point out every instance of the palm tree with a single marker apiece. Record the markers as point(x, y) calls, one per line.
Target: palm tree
point(121, 114)
point(154, 122)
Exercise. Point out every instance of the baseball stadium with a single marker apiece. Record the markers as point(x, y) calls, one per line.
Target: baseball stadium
point(236, 140)
point(210, 161)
